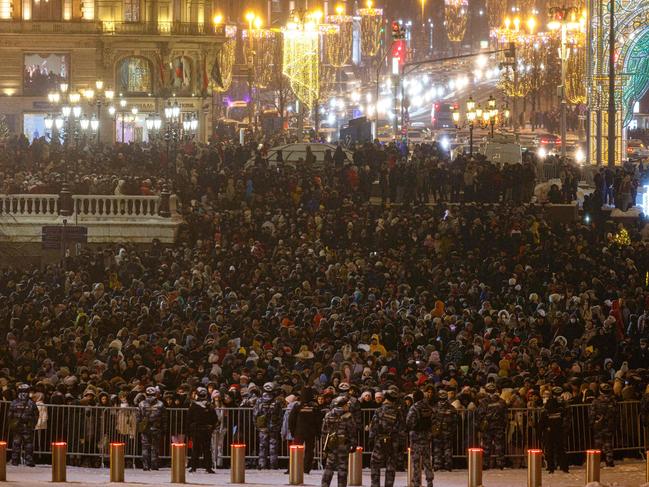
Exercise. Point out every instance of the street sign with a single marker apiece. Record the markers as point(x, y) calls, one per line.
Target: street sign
point(52, 235)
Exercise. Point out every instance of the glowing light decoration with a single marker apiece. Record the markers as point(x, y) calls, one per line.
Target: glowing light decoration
point(338, 41)
point(301, 60)
point(267, 50)
point(621, 238)
point(575, 75)
point(223, 66)
point(371, 23)
point(456, 16)
point(496, 10)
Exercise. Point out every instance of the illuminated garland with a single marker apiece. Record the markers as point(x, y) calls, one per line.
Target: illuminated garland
point(338, 42)
point(455, 15)
point(371, 23)
point(575, 75)
point(222, 72)
point(267, 54)
point(495, 12)
point(621, 238)
point(301, 60)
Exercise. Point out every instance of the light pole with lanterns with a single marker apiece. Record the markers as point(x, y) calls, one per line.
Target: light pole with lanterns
point(471, 115)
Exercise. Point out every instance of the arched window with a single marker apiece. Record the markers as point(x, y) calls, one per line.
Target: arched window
point(134, 75)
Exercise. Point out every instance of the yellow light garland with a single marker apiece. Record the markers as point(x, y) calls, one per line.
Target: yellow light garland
point(301, 61)
point(338, 42)
point(371, 23)
point(267, 54)
point(455, 15)
point(222, 75)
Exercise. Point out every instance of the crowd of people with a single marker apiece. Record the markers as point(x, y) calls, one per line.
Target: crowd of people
point(291, 291)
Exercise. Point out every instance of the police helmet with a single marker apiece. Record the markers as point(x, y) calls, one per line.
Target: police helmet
point(151, 391)
point(269, 387)
point(343, 386)
point(23, 388)
point(442, 394)
point(201, 393)
point(490, 388)
point(391, 395)
point(605, 388)
point(557, 391)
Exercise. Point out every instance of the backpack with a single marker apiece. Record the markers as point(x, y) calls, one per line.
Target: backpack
point(425, 420)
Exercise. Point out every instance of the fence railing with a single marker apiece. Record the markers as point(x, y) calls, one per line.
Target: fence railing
point(88, 431)
point(29, 204)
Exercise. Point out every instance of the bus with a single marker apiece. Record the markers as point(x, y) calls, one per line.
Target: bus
point(441, 116)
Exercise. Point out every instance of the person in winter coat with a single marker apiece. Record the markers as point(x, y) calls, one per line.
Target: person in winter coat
point(150, 415)
point(267, 415)
point(201, 420)
point(219, 432)
point(23, 415)
point(304, 423)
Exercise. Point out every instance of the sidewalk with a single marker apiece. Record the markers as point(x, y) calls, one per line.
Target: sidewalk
point(623, 475)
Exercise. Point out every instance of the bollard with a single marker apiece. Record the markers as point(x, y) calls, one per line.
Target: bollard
point(59, 460)
point(238, 464)
point(593, 457)
point(296, 465)
point(117, 462)
point(410, 475)
point(647, 468)
point(475, 467)
point(355, 467)
point(3, 461)
point(178, 461)
point(534, 467)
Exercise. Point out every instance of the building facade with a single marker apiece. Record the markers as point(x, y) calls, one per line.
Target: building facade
point(147, 52)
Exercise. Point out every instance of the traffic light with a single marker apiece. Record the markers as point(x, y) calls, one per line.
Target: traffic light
point(397, 32)
point(399, 51)
point(510, 53)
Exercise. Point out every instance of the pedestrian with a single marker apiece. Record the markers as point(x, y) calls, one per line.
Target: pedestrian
point(492, 418)
point(23, 415)
point(553, 424)
point(602, 416)
point(150, 415)
point(385, 429)
point(202, 421)
point(304, 423)
point(339, 432)
point(267, 415)
point(419, 424)
point(444, 424)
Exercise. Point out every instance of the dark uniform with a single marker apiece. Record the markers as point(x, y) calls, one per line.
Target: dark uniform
point(492, 418)
point(150, 415)
point(443, 429)
point(23, 415)
point(348, 391)
point(202, 419)
point(602, 416)
point(267, 415)
point(304, 423)
point(339, 431)
point(419, 424)
point(553, 423)
point(385, 428)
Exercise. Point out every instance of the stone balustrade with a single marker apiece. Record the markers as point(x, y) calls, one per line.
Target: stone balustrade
point(109, 218)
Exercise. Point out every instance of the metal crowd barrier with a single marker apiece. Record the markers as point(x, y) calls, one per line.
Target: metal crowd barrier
point(89, 430)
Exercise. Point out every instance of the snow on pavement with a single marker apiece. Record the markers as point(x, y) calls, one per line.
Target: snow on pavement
point(623, 475)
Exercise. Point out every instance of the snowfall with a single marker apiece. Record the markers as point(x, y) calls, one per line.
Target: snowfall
point(628, 474)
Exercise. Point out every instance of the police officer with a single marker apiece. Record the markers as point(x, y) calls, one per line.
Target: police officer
point(602, 416)
point(553, 424)
point(419, 424)
point(385, 428)
point(267, 415)
point(351, 392)
point(492, 418)
point(149, 417)
point(339, 432)
point(23, 415)
point(202, 419)
point(444, 424)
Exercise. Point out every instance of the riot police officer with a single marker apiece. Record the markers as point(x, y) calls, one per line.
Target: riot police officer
point(444, 424)
point(23, 415)
point(149, 417)
point(267, 415)
point(202, 419)
point(419, 424)
point(602, 416)
point(339, 432)
point(553, 423)
point(492, 418)
point(385, 428)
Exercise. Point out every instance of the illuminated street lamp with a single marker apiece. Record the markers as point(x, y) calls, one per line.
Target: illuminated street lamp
point(470, 115)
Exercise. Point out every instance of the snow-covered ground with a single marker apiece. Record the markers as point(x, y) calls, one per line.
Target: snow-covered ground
point(623, 475)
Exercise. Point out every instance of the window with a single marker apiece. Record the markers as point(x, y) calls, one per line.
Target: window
point(131, 10)
point(88, 9)
point(134, 75)
point(181, 75)
point(5, 9)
